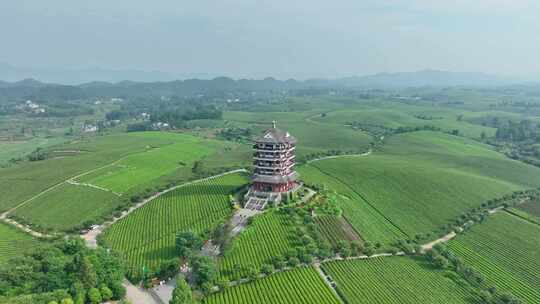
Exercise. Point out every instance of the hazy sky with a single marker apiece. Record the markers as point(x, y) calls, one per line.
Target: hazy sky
point(281, 38)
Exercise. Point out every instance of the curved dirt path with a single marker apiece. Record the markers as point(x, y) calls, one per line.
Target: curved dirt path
point(451, 235)
point(71, 180)
point(338, 156)
point(90, 236)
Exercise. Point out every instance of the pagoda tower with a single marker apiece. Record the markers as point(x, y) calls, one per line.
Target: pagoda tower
point(273, 165)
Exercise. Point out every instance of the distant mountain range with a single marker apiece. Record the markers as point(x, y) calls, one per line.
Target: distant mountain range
point(157, 87)
point(78, 76)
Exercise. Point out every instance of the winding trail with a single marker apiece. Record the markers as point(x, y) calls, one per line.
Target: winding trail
point(451, 235)
point(71, 180)
point(338, 156)
point(75, 183)
point(134, 293)
point(90, 236)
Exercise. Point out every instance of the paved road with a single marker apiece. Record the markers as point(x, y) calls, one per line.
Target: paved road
point(137, 295)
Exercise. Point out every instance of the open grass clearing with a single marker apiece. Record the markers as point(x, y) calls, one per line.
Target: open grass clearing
point(67, 206)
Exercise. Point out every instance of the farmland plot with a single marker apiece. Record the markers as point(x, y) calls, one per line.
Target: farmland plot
point(67, 206)
point(27, 179)
point(335, 229)
point(396, 280)
point(424, 179)
point(139, 168)
point(505, 250)
point(366, 220)
point(146, 237)
point(301, 285)
point(13, 242)
point(268, 236)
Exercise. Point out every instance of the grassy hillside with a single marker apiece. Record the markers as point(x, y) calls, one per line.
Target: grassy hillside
point(138, 168)
point(146, 237)
point(372, 225)
point(19, 149)
point(505, 251)
point(313, 136)
point(396, 280)
point(67, 206)
point(420, 181)
point(394, 115)
point(13, 242)
point(302, 285)
point(68, 160)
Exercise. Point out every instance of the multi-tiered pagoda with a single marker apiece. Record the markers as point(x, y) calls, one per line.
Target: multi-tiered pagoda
point(273, 165)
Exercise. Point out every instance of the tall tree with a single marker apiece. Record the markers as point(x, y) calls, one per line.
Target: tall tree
point(181, 293)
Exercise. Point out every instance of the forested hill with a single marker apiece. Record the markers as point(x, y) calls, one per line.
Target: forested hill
point(192, 87)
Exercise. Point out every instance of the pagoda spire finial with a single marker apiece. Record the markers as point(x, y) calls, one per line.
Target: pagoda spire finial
point(273, 124)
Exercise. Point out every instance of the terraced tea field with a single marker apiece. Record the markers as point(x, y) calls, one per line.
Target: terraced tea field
point(269, 235)
point(505, 250)
point(391, 115)
point(396, 280)
point(146, 237)
point(13, 242)
point(301, 285)
point(335, 229)
point(367, 221)
point(422, 180)
point(67, 206)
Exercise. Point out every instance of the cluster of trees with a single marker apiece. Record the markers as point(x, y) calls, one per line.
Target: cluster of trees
point(65, 109)
point(235, 134)
point(524, 130)
point(479, 214)
point(379, 131)
point(182, 292)
point(325, 202)
point(176, 112)
point(37, 154)
point(518, 140)
point(373, 129)
point(427, 117)
point(309, 245)
point(63, 272)
point(443, 258)
point(7, 109)
point(204, 269)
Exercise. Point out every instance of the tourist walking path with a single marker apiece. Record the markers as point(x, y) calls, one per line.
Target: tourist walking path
point(338, 156)
point(90, 236)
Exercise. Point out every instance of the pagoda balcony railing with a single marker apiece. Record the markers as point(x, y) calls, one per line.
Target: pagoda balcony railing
point(275, 151)
point(272, 147)
point(273, 174)
point(272, 159)
point(273, 168)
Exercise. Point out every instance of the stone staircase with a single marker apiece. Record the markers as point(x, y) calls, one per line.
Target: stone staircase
point(256, 203)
